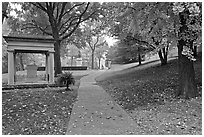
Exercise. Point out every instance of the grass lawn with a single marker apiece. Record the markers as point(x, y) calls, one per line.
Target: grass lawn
point(148, 96)
point(41, 111)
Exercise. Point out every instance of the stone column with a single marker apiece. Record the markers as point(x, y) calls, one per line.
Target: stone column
point(47, 67)
point(14, 61)
point(10, 67)
point(51, 67)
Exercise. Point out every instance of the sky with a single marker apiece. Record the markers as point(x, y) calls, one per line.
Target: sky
point(110, 41)
point(15, 7)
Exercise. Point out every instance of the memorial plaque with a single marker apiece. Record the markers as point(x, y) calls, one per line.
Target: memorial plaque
point(31, 73)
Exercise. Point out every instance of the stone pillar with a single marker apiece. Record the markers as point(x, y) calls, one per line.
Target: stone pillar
point(47, 67)
point(51, 67)
point(14, 61)
point(10, 67)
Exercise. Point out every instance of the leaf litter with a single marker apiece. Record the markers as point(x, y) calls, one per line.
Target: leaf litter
point(36, 112)
point(148, 96)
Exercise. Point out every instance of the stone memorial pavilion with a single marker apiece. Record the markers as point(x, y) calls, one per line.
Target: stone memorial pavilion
point(30, 44)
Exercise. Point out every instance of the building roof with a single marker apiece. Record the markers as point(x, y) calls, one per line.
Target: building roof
point(30, 38)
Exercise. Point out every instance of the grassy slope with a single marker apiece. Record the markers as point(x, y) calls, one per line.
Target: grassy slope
point(149, 97)
point(37, 111)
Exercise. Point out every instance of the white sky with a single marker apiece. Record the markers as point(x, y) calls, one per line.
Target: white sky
point(14, 6)
point(110, 41)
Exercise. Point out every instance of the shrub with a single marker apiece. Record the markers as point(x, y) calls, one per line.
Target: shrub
point(65, 79)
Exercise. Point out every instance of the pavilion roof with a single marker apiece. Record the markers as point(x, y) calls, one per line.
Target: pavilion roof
point(30, 38)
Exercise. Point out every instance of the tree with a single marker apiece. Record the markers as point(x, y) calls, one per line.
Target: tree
point(111, 11)
point(181, 17)
point(132, 49)
point(152, 23)
point(96, 42)
point(121, 29)
point(5, 31)
point(94, 36)
point(125, 54)
point(57, 19)
point(112, 53)
point(4, 57)
point(4, 9)
point(188, 26)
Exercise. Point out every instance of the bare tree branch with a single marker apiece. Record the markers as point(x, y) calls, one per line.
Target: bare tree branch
point(45, 31)
point(34, 25)
point(90, 46)
point(54, 5)
point(88, 16)
point(61, 13)
point(72, 9)
point(38, 5)
point(69, 26)
point(97, 39)
point(102, 43)
point(63, 24)
point(47, 5)
point(132, 8)
point(80, 17)
point(57, 15)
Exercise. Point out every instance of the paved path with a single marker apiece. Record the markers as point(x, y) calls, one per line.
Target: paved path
point(96, 113)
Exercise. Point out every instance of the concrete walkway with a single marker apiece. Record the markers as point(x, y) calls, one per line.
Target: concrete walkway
point(95, 112)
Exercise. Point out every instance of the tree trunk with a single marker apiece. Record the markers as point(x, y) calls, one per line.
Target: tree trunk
point(165, 53)
point(139, 56)
point(193, 48)
point(92, 58)
point(187, 84)
point(99, 62)
point(139, 59)
point(195, 51)
point(58, 68)
point(4, 8)
point(72, 60)
point(162, 59)
point(67, 83)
